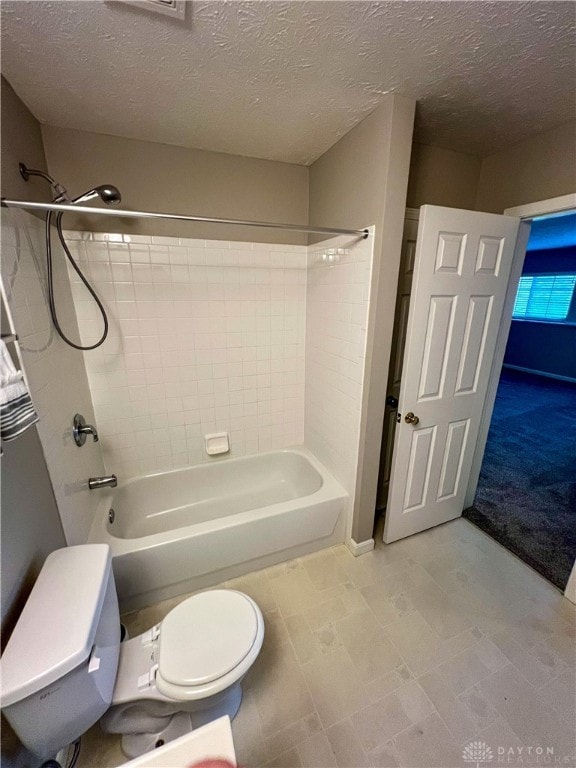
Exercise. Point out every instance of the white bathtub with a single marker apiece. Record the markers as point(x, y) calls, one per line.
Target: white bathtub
point(186, 529)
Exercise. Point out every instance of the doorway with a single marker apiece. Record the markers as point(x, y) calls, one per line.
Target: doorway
point(526, 214)
point(526, 494)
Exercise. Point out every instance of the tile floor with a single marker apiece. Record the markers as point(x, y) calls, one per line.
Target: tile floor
point(401, 657)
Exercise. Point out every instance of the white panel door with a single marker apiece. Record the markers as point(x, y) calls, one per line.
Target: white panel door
point(462, 266)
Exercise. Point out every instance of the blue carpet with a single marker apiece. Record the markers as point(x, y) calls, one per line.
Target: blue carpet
point(526, 497)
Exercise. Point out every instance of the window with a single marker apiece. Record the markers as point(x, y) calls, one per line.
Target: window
point(544, 297)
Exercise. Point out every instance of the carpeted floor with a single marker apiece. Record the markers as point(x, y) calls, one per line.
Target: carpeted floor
point(526, 496)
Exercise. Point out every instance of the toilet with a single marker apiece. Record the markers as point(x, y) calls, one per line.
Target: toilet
point(64, 667)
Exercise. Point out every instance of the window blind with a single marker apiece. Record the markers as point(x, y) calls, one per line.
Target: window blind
point(544, 297)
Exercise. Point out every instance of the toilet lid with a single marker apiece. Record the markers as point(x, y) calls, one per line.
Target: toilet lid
point(206, 636)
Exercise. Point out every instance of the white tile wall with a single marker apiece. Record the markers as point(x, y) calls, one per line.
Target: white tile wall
point(339, 273)
point(205, 336)
point(56, 372)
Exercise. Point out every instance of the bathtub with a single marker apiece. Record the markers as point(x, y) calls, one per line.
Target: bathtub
point(185, 529)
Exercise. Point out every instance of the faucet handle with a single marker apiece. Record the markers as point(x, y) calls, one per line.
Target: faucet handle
point(80, 429)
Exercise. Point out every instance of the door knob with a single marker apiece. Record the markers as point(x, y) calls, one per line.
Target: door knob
point(409, 418)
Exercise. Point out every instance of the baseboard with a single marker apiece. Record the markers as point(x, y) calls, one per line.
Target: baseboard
point(540, 373)
point(360, 548)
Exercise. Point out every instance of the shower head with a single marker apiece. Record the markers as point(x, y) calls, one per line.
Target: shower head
point(108, 193)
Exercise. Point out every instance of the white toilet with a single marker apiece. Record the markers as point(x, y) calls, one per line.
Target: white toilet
point(64, 666)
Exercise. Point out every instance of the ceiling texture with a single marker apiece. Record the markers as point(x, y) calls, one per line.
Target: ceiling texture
point(285, 80)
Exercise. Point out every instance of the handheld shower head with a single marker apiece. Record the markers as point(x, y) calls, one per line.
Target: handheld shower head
point(108, 193)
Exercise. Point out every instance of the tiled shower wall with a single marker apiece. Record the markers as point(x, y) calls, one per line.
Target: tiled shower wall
point(338, 283)
point(55, 371)
point(205, 336)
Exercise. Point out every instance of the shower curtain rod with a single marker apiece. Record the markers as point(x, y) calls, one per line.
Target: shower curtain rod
point(64, 208)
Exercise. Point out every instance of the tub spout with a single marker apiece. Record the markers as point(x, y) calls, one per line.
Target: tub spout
point(110, 481)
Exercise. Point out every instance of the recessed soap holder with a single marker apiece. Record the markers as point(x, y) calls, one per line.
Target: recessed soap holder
point(217, 443)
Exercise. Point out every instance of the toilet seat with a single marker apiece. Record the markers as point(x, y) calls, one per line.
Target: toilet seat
point(207, 643)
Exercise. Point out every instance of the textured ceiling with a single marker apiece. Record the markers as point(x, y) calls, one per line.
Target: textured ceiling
point(285, 80)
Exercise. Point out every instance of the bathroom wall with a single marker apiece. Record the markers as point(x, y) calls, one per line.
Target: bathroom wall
point(362, 181)
point(159, 177)
point(337, 293)
point(55, 371)
point(206, 336)
point(538, 168)
point(30, 525)
point(442, 177)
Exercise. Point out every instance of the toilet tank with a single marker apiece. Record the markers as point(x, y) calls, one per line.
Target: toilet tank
point(59, 666)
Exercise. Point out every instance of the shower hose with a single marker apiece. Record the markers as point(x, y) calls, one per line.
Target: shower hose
point(50, 274)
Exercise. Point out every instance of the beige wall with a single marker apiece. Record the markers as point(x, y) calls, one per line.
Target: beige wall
point(30, 524)
point(21, 142)
point(361, 181)
point(539, 168)
point(442, 177)
point(159, 177)
point(31, 527)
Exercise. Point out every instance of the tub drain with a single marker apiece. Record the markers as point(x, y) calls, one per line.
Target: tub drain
point(111, 515)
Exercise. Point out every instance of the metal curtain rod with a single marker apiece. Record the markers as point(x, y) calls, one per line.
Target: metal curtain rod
point(27, 204)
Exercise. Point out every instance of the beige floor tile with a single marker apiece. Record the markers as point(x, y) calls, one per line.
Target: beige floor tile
point(386, 609)
point(276, 645)
point(411, 574)
point(538, 623)
point(100, 750)
point(559, 696)
point(306, 644)
point(420, 646)
point(137, 622)
point(399, 655)
point(257, 586)
point(428, 744)
point(328, 611)
point(352, 598)
point(372, 567)
point(327, 638)
point(281, 694)
point(247, 733)
point(316, 752)
point(414, 701)
point(563, 646)
point(346, 746)
point(284, 569)
point(325, 569)
point(289, 759)
point(295, 733)
point(450, 556)
point(384, 756)
point(455, 715)
point(334, 686)
point(371, 652)
point(499, 736)
point(276, 632)
point(518, 703)
point(538, 671)
point(381, 686)
point(294, 592)
point(478, 708)
point(377, 723)
point(467, 668)
point(445, 613)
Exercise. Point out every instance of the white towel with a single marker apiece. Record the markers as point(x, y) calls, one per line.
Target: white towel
point(16, 408)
